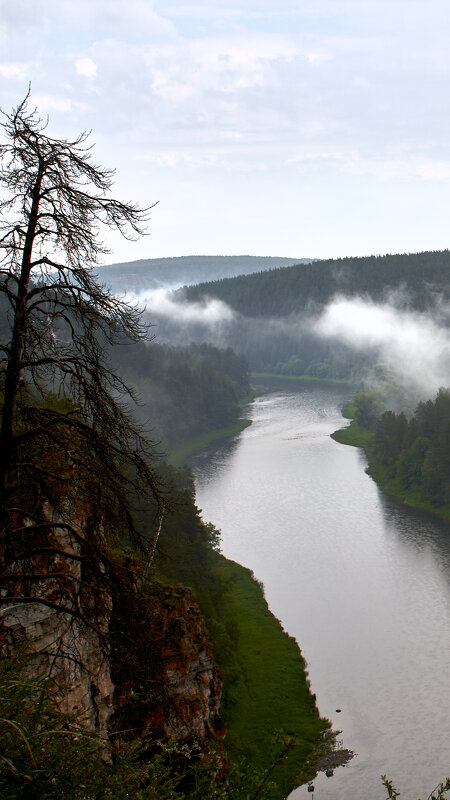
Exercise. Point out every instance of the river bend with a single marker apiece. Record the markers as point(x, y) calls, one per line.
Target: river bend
point(360, 581)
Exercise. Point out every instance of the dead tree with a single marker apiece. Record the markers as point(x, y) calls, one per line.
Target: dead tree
point(68, 445)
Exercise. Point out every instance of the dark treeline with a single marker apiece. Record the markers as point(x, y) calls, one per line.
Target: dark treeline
point(286, 291)
point(184, 391)
point(414, 454)
point(408, 453)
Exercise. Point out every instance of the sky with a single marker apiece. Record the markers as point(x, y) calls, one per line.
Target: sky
point(299, 128)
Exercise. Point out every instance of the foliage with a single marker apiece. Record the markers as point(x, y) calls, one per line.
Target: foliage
point(45, 754)
point(437, 794)
point(409, 457)
point(187, 391)
point(415, 453)
point(273, 310)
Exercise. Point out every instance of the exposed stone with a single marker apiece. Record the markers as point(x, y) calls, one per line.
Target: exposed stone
point(67, 648)
point(151, 641)
point(168, 680)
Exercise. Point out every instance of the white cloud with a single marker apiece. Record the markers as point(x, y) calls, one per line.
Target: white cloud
point(160, 302)
point(14, 70)
point(86, 67)
point(412, 345)
point(48, 102)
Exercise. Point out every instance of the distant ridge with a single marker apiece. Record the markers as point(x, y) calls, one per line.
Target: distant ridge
point(417, 279)
point(134, 276)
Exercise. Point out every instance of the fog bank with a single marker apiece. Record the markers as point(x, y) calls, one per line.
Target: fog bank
point(413, 345)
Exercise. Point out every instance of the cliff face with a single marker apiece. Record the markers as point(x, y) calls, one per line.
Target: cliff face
point(122, 654)
point(60, 617)
point(162, 665)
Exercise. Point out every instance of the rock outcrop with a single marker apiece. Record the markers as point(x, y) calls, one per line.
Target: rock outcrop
point(121, 652)
point(60, 618)
point(162, 665)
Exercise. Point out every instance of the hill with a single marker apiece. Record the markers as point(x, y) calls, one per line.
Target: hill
point(134, 276)
point(272, 314)
point(419, 277)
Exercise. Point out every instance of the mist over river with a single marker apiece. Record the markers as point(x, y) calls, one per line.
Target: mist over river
point(361, 582)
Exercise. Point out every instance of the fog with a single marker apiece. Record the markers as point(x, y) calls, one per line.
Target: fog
point(413, 345)
point(162, 302)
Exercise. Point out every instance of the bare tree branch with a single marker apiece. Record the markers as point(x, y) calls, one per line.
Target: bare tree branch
point(75, 452)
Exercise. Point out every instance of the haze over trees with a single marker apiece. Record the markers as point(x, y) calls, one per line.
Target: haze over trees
point(184, 391)
point(270, 316)
point(136, 276)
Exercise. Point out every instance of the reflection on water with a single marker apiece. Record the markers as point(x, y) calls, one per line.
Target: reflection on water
point(362, 582)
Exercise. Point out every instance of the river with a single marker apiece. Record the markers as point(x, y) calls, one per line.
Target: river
point(361, 582)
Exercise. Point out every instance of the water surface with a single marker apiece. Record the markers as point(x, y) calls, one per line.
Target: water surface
point(360, 581)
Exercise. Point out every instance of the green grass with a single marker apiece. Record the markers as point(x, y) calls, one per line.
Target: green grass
point(353, 435)
point(180, 454)
point(267, 698)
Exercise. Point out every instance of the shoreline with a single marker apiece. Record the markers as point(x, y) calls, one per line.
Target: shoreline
point(334, 759)
point(307, 380)
point(354, 435)
point(180, 454)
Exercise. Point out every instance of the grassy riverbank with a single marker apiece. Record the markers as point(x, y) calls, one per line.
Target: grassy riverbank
point(181, 454)
point(354, 435)
point(270, 712)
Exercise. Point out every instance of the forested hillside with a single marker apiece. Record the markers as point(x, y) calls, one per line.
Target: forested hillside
point(183, 391)
point(417, 277)
point(272, 315)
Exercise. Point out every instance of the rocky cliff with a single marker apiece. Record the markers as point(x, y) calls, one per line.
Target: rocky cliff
point(162, 664)
point(123, 653)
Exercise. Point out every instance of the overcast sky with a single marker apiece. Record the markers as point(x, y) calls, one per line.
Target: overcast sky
point(315, 128)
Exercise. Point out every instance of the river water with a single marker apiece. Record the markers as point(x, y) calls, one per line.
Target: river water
point(361, 582)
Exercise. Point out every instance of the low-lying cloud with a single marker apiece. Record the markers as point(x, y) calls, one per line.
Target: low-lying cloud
point(413, 345)
point(161, 302)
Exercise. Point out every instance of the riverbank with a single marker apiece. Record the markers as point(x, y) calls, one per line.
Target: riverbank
point(181, 454)
point(355, 435)
point(305, 380)
point(184, 450)
point(271, 715)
